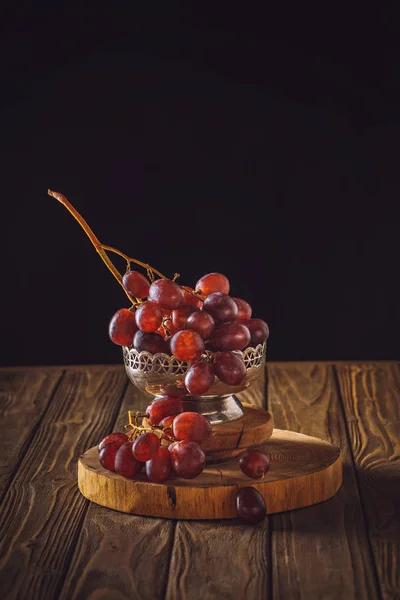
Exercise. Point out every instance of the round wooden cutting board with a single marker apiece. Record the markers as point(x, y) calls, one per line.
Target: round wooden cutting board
point(304, 470)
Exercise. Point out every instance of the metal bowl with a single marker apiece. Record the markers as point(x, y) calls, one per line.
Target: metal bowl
point(152, 372)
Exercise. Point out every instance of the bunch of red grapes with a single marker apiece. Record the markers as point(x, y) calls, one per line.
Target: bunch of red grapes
point(187, 323)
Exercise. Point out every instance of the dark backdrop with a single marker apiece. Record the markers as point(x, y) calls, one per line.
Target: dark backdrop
point(262, 146)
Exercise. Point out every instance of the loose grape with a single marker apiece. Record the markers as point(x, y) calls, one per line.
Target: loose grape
point(148, 316)
point(231, 336)
point(122, 327)
point(213, 282)
point(191, 426)
point(254, 463)
point(199, 378)
point(162, 407)
point(188, 459)
point(166, 293)
point(117, 437)
point(107, 455)
point(192, 300)
point(187, 345)
point(244, 309)
point(221, 307)
point(201, 322)
point(229, 368)
point(259, 331)
point(250, 505)
point(159, 467)
point(150, 342)
point(136, 284)
point(125, 463)
point(180, 316)
point(145, 446)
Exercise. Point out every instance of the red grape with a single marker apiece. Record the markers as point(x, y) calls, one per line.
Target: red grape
point(125, 463)
point(145, 446)
point(250, 505)
point(187, 345)
point(188, 459)
point(161, 331)
point(202, 322)
point(199, 378)
point(254, 463)
point(189, 298)
point(244, 309)
point(136, 284)
point(221, 307)
point(231, 336)
point(166, 424)
point(229, 368)
point(166, 293)
point(180, 316)
point(162, 407)
point(122, 327)
point(159, 467)
point(107, 455)
point(150, 342)
point(259, 331)
point(192, 427)
point(117, 437)
point(213, 282)
point(148, 316)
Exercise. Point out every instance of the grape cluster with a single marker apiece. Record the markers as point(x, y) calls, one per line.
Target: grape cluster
point(203, 326)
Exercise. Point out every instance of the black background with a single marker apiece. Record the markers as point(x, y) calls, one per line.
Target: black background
point(259, 144)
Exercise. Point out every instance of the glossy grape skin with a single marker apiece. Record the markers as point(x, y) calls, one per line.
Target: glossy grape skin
point(244, 309)
point(188, 459)
point(117, 437)
point(221, 307)
point(159, 468)
point(107, 455)
point(254, 464)
point(192, 427)
point(145, 446)
point(166, 293)
point(136, 284)
point(199, 378)
point(187, 345)
point(231, 336)
point(229, 368)
point(188, 298)
point(259, 331)
point(166, 424)
point(125, 463)
point(148, 316)
point(162, 407)
point(250, 505)
point(122, 327)
point(180, 316)
point(150, 342)
point(213, 282)
point(201, 322)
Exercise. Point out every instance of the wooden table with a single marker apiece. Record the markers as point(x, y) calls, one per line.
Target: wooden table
point(55, 544)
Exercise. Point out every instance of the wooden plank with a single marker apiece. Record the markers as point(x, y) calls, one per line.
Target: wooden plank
point(320, 551)
point(120, 556)
point(370, 394)
point(24, 397)
point(42, 510)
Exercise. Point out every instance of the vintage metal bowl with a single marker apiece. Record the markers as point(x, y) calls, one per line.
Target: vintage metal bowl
point(153, 372)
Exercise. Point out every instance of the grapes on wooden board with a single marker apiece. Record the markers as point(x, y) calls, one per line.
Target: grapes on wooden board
point(254, 464)
point(122, 327)
point(229, 368)
point(191, 426)
point(117, 437)
point(250, 505)
point(150, 342)
point(187, 345)
point(188, 459)
point(107, 455)
point(125, 463)
point(201, 322)
point(259, 331)
point(148, 316)
point(212, 282)
point(231, 336)
point(162, 407)
point(180, 316)
point(159, 467)
point(199, 378)
point(136, 284)
point(166, 293)
point(244, 309)
point(221, 307)
point(145, 446)
point(189, 298)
